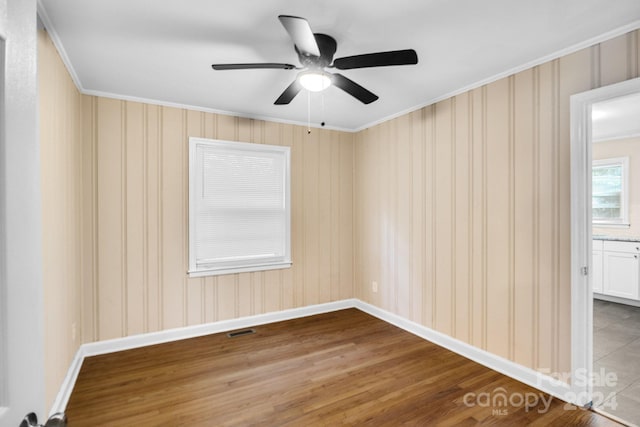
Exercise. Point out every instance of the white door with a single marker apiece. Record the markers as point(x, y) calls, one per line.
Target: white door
point(21, 320)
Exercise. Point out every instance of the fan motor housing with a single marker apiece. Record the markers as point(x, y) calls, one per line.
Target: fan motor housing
point(327, 46)
point(316, 55)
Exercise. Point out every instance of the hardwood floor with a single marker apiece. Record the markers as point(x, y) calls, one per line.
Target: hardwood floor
point(341, 368)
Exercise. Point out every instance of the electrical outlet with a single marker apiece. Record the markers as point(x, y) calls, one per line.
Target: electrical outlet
point(374, 286)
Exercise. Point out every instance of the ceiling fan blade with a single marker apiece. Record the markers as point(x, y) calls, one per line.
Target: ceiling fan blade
point(253, 66)
point(379, 59)
point(301, 34)
point(289, 93)
point(354, 89)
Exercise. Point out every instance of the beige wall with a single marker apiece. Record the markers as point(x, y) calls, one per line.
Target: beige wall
point(61, 168)
point(136, 176)
point(462, 208)
point(115, 219)
point(628, 147)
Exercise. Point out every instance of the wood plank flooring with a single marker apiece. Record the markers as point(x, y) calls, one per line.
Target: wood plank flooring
point(340, 368)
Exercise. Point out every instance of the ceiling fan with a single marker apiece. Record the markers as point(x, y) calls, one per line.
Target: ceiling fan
point(315, 52)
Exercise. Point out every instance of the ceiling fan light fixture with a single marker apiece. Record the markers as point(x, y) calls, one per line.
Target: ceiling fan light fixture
point(315, 81)
point(315, 53)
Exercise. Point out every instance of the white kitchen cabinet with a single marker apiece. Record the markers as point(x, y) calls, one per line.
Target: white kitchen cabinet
point(620, 269)
point(596, 266)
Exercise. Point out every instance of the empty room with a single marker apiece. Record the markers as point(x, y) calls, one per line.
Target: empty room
point(319, 213)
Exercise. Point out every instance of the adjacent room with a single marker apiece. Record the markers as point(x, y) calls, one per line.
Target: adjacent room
point(319, 213)
point(616, 248)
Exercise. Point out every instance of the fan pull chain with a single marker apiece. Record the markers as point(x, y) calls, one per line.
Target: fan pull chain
point(308, 113)
point(323, 118)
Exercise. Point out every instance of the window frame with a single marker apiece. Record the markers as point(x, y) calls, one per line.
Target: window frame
point(623, 220)
point(196, 270)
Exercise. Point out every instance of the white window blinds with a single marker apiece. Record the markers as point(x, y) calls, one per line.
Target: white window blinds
point(609, 191)
point(239, 215)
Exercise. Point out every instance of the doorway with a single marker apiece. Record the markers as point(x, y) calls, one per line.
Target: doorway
point(594, 202)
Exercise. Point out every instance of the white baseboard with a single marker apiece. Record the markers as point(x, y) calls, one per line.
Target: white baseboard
point(62, 398)
point(518, 372)
point(168, 335)
point(511, 369)
point(615, 299)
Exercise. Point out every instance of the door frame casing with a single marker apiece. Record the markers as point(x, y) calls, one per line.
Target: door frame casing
point(581, 233)
point(3, 291)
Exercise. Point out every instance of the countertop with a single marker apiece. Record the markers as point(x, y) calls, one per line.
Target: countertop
point(616, 238)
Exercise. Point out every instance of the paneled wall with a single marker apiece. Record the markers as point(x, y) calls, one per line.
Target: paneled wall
point(462, 208)
point(61, 174)
point(135, 186)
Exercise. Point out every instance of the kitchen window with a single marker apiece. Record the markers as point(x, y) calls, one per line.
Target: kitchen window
point(610, 186)
point(239, 207)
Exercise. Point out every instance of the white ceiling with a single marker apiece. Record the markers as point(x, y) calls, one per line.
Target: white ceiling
point(616, 118)
point(161, 50)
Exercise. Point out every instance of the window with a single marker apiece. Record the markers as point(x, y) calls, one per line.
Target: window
point(609, 191)
point(239, 207)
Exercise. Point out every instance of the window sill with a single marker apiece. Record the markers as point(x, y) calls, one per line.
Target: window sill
point(248, 269)
point(604, 225)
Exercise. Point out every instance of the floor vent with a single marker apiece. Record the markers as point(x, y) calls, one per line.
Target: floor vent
point(241, 333)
